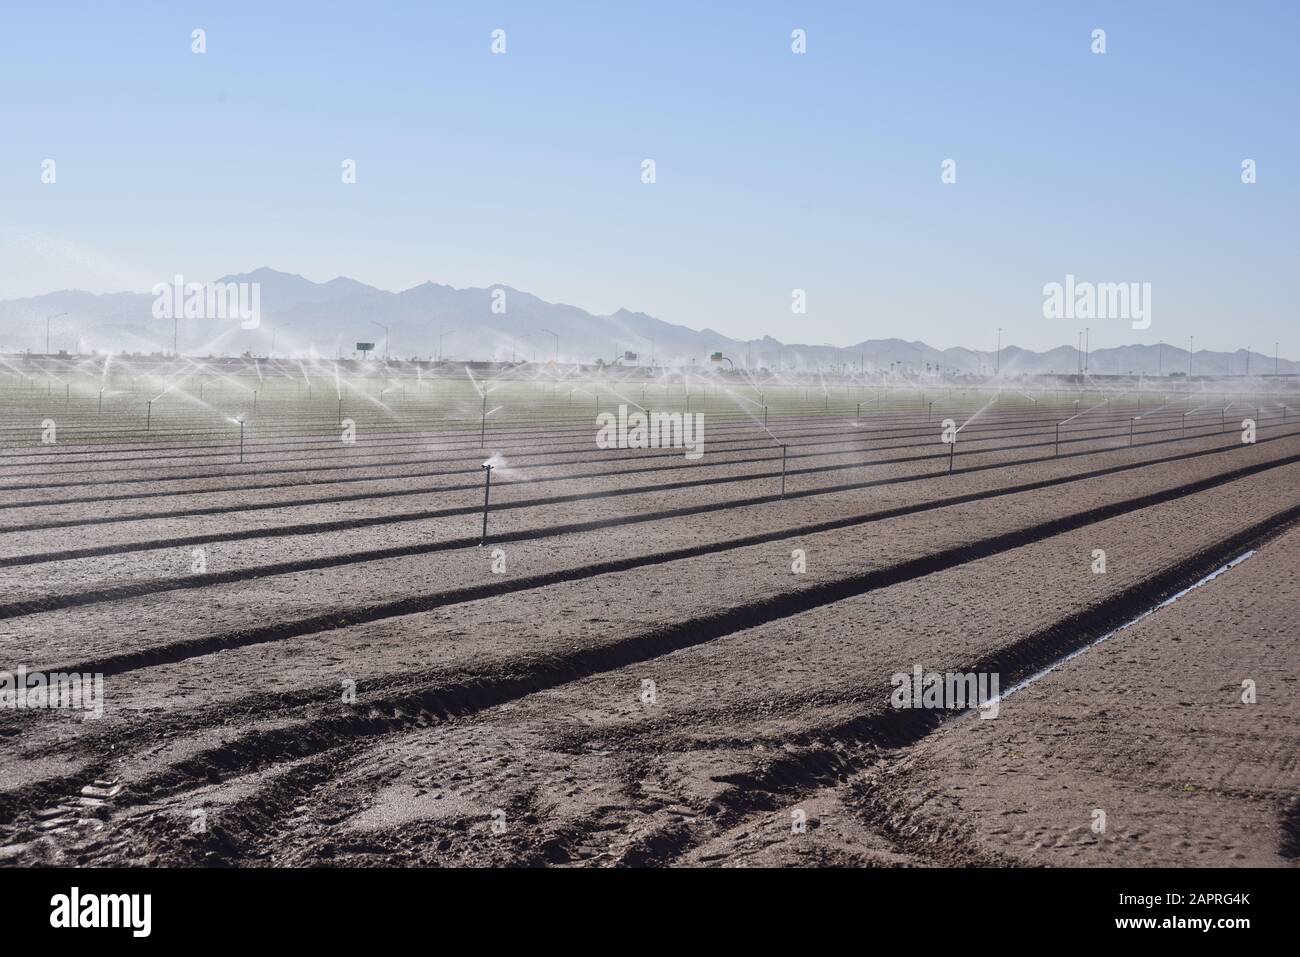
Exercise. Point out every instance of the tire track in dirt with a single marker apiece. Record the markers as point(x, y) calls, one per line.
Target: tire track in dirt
point(419, 707)
point(814, 760)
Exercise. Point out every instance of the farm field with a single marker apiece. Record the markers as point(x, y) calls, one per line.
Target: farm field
point(312, 653)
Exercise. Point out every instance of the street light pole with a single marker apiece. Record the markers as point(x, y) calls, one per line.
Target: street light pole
point(557, 344)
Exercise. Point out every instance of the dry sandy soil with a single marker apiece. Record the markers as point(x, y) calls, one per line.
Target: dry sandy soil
point(310, 659)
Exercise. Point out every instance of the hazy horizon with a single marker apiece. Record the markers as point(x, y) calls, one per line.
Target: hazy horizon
point(775, 171)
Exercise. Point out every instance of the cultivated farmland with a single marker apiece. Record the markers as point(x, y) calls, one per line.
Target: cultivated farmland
point(312, 653)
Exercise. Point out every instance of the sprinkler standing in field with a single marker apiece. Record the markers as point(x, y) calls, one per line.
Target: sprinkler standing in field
point(487, 490)
point(148, 414)
point(241, 439)
point(783, 471)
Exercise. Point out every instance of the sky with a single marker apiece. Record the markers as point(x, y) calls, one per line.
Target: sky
point(775, 171)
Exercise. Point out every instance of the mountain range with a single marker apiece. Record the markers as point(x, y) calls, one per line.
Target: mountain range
point(298, 316)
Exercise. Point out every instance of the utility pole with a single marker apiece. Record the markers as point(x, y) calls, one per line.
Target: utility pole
point(557, 344)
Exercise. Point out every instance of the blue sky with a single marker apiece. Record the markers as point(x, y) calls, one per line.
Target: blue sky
point(775, 171)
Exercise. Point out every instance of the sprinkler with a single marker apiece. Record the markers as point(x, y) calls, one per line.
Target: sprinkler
point(101, 400)
point(1130, 430)
point(952, 453)
point(254, 401)
point(1058, 441)
point(487, 489)
point(148, 414)
point(482, 437)
point(241, 440)
point(928, 410)
point(1184, 435)
point(783, 471)
point(764, 417)
point(859, 411)
point(340, 412)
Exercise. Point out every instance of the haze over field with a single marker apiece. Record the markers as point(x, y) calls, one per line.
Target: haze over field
point(331, 317)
